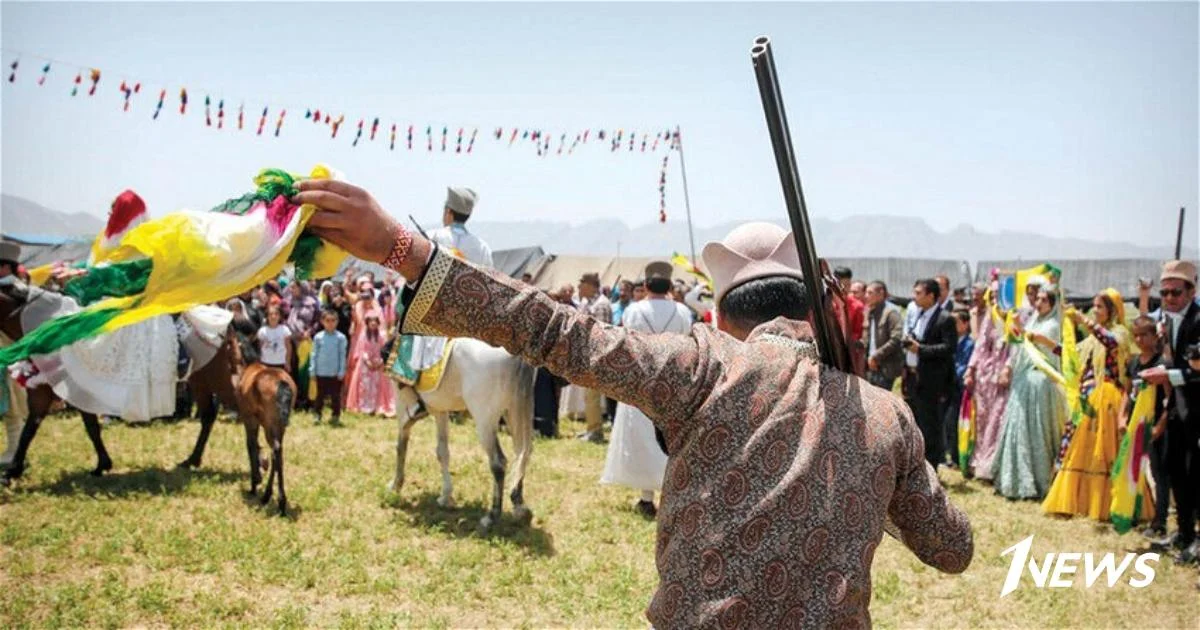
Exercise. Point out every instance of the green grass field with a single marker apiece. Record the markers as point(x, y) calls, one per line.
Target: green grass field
point(151, 546)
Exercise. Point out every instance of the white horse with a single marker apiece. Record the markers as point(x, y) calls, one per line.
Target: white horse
point(489, 384)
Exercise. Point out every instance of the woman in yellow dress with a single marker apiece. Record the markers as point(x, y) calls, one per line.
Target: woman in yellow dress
point(1089, 445)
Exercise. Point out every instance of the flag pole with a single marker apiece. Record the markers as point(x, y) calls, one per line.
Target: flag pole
point(687, 204)
point(1178, 230)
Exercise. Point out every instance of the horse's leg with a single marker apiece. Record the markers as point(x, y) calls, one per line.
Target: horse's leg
point(39, 401)
point(252, 451)
point(443, 454)
point(269, 487)
point(487, 426)
point(406, 425)
point(103, 462)
point(277, 454)
point(521, 427)
point(207, 406)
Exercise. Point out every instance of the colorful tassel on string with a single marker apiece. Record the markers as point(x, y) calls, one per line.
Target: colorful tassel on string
point(600, 135)
point(585, 135)
point(524, 134)
point(162, 96)
point(307, 114)
point(654, 147)
point(471, 144)
point(358, 136)
point(337, 124)
point(207, 111)
point(95, 77)
point(374, 128)
point(221, 114)
point(445, 132)
point(13, 77)
point(562, 141)
point(499, 132)
point(458, 143)
point(262, 121)
point(574, 144)
point(645, 137)
point(241, 115)
point(513, 137)
point(183, 101)
point(327, 119)
point(279, 122)
point(316, 116)
point(410, 130)
point(45, 71)
point(632, 139)
point(78, 80)
point(392, 144)
point(428, 138)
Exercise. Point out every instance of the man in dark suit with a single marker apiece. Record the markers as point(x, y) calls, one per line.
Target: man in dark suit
point(1180, 330)
point(929, 375)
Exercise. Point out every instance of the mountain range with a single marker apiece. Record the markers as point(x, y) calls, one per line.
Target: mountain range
point(864, 236)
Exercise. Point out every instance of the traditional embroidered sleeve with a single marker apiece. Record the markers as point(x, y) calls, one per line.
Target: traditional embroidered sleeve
point(666, 376)
point(936, 531)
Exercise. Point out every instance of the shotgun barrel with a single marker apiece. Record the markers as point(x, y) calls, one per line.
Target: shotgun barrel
point(828, 334)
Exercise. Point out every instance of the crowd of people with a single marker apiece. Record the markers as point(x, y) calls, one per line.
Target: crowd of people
point(1048, 390)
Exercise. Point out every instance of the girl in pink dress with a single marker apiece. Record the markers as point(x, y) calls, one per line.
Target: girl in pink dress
point(370, 391)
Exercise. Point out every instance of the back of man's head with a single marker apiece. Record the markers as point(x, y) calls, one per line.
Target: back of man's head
point(759, 301)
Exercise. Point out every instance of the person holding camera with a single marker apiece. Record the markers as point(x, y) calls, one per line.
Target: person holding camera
point(1179, 329)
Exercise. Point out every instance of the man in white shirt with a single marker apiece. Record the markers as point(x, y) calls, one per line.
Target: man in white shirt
point(425, 352)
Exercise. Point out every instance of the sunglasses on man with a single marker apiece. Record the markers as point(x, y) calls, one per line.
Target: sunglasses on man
point(1171, 293)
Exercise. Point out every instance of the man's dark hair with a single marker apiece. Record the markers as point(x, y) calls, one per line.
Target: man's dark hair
point(11, 264)
point(881, 284)
point(962, 315)
point(660, 286)
point(459, 218)
point(931, 287)
point(843, 273)
point(328, 312)
point(942, 276)
point(759, 301)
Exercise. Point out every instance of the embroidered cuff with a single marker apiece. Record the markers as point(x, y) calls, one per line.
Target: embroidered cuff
point(425, 292)
point(1176, 377)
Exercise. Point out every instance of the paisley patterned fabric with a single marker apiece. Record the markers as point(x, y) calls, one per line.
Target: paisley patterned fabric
point(782, 471)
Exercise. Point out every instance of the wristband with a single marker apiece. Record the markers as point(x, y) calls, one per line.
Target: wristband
point(402, 241)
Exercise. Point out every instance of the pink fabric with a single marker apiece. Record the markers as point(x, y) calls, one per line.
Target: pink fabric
point(367, 387)
point(990, 397)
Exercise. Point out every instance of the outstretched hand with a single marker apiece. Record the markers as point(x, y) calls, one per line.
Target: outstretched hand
point(349, 217)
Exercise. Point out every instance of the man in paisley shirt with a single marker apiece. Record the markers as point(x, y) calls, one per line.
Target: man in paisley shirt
point(782, 471)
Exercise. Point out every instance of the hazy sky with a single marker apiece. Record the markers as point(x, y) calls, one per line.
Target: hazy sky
point(1063, 118)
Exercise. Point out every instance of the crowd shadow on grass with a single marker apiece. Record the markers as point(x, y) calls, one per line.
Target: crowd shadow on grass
point(155, 481)
point(462, 521)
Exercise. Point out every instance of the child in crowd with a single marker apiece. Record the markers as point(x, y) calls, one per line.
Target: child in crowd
point(275, 341)
point(328, 362)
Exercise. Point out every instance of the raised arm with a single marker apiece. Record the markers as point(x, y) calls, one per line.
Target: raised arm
point(667, 376)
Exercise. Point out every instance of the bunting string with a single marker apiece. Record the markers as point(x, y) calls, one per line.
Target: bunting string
point(538, 139)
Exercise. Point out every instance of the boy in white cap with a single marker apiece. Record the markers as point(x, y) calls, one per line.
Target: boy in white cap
point(781, 471)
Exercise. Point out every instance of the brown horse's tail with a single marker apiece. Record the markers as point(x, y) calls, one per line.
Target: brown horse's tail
point(284, 396)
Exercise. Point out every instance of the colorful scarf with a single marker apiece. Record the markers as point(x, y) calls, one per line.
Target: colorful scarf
point(187, 258)
point(1131, 496)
